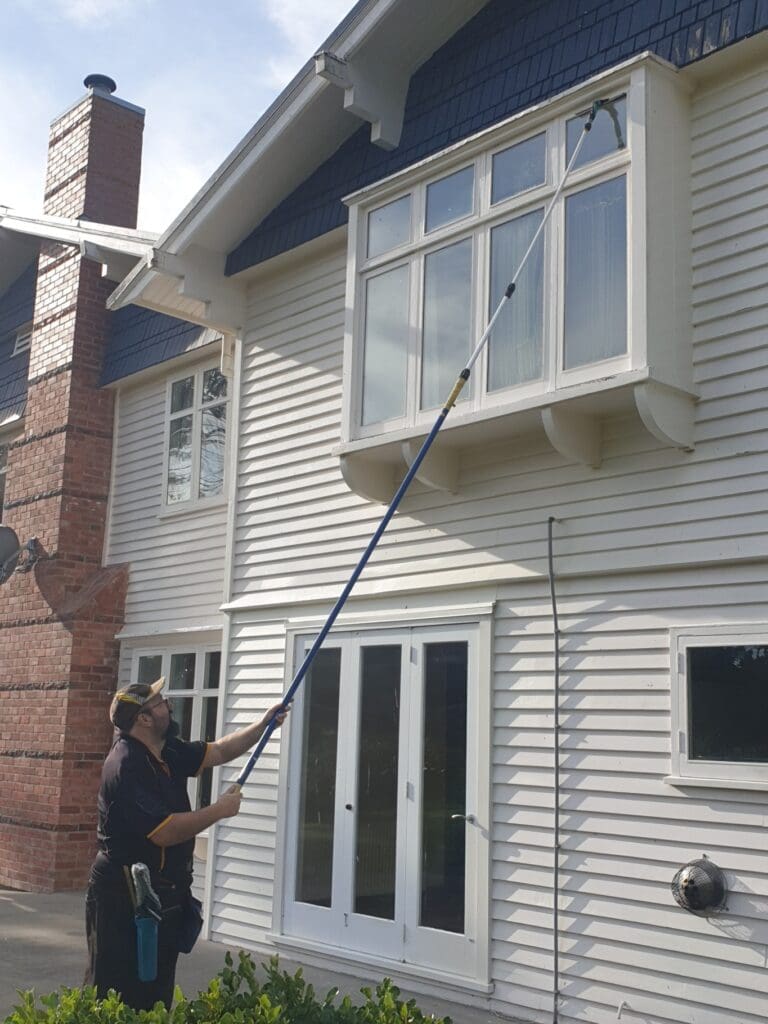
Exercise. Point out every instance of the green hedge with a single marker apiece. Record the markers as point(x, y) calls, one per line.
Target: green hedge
point(235, 996)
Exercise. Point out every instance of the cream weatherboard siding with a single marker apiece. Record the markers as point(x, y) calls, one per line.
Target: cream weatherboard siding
point(176, 562)
point(654, 539)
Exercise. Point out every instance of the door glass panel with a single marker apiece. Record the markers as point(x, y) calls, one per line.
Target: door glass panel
point(447, 319)
point(210, 707)
point(376, 840)
point(150, 668)
point(443, 828)
point(182, 674)
point(181, 709)
point(320, 729)
point(386, 345)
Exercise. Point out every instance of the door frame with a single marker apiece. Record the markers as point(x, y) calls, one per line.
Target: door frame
point(477, 618)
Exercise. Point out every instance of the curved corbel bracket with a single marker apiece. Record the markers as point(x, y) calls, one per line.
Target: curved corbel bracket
point(667, 413)
point(439, 470)
point(574, 435)
point(372, 480)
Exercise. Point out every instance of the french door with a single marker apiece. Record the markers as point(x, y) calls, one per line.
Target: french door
point(383, 833)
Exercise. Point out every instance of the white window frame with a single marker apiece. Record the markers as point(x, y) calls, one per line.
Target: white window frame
point(423, 627)
point(198, 692)
point(478, 225)
point(23, 339)
point(194, 501)
point(698, 772)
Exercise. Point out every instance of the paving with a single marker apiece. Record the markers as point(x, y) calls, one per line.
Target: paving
point(42, 947)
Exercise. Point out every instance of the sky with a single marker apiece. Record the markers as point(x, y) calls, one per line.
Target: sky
point(204, 70)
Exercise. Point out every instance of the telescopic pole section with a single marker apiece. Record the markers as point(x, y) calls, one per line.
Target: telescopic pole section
point(461, 380)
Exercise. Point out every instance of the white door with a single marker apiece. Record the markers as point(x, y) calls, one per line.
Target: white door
point(383, 839)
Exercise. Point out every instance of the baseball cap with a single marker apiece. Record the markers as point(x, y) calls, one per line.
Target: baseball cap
point(128, 702)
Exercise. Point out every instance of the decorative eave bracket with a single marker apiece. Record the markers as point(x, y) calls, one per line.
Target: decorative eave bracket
point(201, 277)
point(375, 94)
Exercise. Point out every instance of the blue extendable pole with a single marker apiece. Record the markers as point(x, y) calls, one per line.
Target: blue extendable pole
point(413, 469)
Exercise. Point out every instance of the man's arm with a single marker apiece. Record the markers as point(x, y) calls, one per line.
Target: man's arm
point(177, 828)
point(227, 748)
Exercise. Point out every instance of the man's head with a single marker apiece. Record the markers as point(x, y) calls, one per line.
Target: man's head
point(140, 710)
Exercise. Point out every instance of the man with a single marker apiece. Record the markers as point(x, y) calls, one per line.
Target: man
point(145, 817)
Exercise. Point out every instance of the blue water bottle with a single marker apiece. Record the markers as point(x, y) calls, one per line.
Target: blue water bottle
point(147, 918)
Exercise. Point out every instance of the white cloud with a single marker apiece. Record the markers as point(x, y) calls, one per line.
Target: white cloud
point(304, 24)
point(91, 12)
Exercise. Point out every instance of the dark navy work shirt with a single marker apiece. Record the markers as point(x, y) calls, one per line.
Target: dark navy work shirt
point(137, 796)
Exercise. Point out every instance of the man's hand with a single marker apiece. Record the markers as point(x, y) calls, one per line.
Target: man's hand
point(279, 712)
point(228, 803)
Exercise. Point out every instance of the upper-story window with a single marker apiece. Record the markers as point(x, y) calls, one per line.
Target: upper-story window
point(600, 321)
point(432, 264)
point(196, 437)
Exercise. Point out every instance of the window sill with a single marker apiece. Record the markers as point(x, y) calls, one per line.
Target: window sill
point(184, 509)
point(683, 782)
point(324, 953)
point(570, 417)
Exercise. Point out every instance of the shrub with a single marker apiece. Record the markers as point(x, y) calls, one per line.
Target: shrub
point(234, 996)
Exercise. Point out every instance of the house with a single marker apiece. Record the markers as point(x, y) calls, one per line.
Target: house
point(476, 796)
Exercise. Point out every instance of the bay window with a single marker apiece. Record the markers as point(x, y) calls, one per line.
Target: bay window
point(432, 250)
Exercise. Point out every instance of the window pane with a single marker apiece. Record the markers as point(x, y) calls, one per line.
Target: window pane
point(607, 135)
point(386, 345)
point(447, 320)
point(214, 385)
point(212, 670)
point(443, 854)
point(150, 668)
point(389, 226)
point(376, 840)
point(213, 434)
point(3, 467)
point(450, 198)
point(181, 708)
point(180, 459)
point(519, 168)
point(210, 708)
point(320, 729)
point(182, 394)
point(516, 343)
point(182, 673)
point(596, 273)
point(728, 703)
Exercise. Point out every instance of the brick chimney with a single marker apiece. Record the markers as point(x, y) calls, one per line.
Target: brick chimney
point(58, 621)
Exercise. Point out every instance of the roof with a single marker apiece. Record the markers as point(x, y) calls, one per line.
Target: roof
point(507, 58)
point(16, 306)
point(141, 338)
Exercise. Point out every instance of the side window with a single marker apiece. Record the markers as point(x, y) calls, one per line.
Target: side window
point(196, 435)
point(722, 705)
point(192, 687)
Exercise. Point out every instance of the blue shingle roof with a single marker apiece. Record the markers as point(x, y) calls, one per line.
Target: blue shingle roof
point(506, 58)
point(16, 308)
point(140, 338)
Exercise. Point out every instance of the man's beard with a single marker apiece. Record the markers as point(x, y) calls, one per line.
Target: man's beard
point(172, 730)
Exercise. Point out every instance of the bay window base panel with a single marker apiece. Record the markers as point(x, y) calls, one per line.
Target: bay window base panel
point(571, 418)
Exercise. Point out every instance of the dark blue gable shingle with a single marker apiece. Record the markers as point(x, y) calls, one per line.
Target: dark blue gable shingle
point(16, 308)
point(140, 338)
point(508, 57)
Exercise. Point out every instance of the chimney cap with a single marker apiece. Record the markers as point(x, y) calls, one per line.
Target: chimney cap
point(100, 83)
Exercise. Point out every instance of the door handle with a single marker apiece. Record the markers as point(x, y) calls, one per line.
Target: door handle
point(469, 818)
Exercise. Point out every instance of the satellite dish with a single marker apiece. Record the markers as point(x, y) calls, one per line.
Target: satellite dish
point(699, 887)
point(10, 552)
